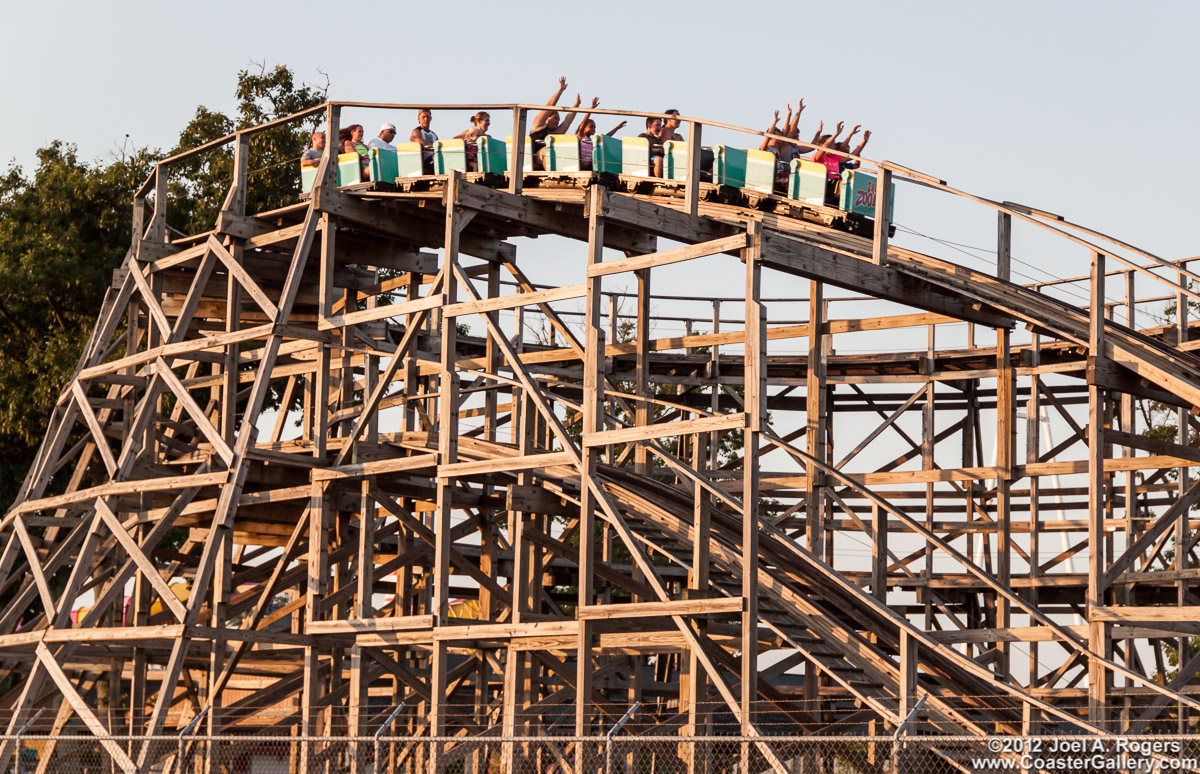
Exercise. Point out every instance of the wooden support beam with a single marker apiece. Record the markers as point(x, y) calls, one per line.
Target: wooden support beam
point(756, 417)
point(593, 422)
point(883, 209)
point(516, 175)
point(729, 244)
point(725, 605)
point(715, 424)
point(695, 149)
point(816, 430)
point(1006, 441)
point(909, 676)
point(447, 455)
point(1099, 642)
point(85, 713)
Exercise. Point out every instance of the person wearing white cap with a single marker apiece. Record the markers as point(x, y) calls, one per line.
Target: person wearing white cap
point(387, 133)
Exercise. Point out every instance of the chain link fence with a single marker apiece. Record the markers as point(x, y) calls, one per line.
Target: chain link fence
point(597, 755)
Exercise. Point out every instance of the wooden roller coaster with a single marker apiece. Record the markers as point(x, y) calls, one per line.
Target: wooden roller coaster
point(313, 464)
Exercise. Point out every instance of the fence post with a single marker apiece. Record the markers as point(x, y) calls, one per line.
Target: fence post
point(379, 735)
point(20, 741)
point(900, 730)
point(182, 734)
point(608, 743)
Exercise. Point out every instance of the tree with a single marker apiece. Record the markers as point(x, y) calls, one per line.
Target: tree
point(199, 184)
point(61, 235)
point(64, 230)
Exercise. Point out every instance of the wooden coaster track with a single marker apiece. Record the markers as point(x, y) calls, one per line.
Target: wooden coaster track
point(513, 535)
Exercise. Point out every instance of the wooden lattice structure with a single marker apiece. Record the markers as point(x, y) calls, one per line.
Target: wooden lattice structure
point(519, 535)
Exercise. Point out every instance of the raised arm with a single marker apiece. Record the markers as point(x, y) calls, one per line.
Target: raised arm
point(565, 126)
point(828, 142)
point(866, 136)
point(833, 142)
point(766, 143)
point(615, 129)
point(544, 114)
point(586, 116)
point(845, 144)
point(794, 127)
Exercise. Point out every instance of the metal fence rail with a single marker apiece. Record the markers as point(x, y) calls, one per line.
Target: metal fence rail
point(262, 754)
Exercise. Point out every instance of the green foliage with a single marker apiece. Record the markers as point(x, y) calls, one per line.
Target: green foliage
point(199, 184)
point(62, 232)
point(64, 229)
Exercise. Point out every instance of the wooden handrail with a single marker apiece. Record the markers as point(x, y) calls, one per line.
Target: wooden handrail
point(1024, 212)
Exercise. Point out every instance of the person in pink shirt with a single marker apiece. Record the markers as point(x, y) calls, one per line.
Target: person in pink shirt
point(835, 162)
point(585, 133)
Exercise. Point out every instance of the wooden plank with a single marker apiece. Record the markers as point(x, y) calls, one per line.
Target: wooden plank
point(151, 301)
point(478, 467)
point(147, 567)
point(516, 175)
point(1133, 614)
point(207, 430)
point(592, 419)
point(34, 562)
point(1097, 491)
point(1119, 465)
point(431, 301)
point(85, 410)
point(881, 226)
point(666, 429)
point(488, 631)
point(663, 221)
point(719, 605)
point(755, 400)
point(1043, 634)
point(691, 188)
point(447, 454)
point(356, 625)
point(118, 488)
point(114, 750)
point(364, 469)
point(730, 244)
point(515, 300)
point(243, 277)
point(1154, 446)
point(177, 349)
